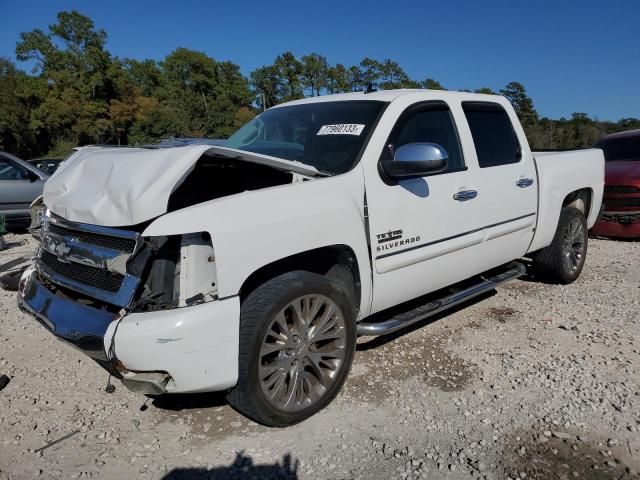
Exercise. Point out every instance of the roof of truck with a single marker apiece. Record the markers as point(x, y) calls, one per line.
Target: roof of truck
point(388, 96)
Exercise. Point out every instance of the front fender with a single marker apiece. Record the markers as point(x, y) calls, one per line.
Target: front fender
point(253, 229)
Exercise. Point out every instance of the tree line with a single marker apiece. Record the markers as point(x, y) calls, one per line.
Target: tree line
point(78, 93)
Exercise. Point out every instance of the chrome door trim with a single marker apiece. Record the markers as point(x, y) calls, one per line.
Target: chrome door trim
point(415, 247)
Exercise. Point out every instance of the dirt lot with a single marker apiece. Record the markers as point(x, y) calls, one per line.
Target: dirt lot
point(536, 381)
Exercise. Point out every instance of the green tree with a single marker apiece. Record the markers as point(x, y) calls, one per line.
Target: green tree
point(391, 75)
point(233, 84)
point(338, 79)
point(189, 76)
point(290, 72)
point(315, 71)
point(357, 81)
point(204, 94)
point(522, 103)
point(485, 90)
point(15, 132)
point(146, 74)
point(161, 122)
point(267, 86)
point(72, 60)
point(431, 84)
point(370, 71)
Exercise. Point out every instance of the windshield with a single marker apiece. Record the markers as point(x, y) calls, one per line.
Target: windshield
point(626, 148)
point(326, 135)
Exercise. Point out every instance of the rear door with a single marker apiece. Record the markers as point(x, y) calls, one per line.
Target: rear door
point(506, 180)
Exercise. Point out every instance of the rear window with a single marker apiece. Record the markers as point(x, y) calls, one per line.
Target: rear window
point(616, 149)
point(493, 135)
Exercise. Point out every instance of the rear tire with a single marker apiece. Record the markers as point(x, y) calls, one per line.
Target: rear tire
point(297, 342)
point(562, 261)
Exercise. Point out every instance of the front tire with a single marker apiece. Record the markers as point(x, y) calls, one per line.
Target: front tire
point(562, 261)
point(297, 342)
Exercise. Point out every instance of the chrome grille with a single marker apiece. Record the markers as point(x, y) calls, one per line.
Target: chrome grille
point(89, 259)
point(93, 277)
point(120, 244)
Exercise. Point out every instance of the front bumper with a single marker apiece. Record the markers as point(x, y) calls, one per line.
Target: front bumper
point(618, 225)
point(196, 346)
point(77, 324)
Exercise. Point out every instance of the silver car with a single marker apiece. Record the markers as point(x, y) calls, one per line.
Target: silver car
point(20, 184)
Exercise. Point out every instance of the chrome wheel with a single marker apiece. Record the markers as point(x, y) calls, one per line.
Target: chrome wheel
point(302, 352)
point(573, 245)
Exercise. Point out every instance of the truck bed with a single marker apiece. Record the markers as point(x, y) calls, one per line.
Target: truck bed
point(560, 173)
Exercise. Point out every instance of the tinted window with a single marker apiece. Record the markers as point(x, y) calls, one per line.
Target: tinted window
point(325, 135)
point(493, 135)
point(9, 171)
point(431, 124)
point(625, 148)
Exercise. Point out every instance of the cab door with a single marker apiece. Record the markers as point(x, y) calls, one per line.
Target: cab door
point(422, 230)
point(506, 179)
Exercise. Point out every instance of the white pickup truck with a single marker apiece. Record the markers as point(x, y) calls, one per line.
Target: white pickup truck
point(253, 267)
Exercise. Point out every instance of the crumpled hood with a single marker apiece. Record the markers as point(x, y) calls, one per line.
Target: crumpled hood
point(116, 187)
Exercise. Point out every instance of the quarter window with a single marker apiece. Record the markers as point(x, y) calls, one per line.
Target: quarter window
point(493, 135)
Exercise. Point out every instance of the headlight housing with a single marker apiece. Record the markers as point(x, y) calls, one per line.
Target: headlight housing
point(175, 271)
point(38, 210)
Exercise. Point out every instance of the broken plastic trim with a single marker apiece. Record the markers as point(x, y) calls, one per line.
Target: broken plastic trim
point(150, 383)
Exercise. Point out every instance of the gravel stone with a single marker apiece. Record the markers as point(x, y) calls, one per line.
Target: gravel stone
point(536, 381)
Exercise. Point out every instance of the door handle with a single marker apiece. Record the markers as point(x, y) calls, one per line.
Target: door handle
point(524, 182)
point(465, 195)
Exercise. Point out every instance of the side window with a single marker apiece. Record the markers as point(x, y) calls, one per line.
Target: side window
point(9, 171)
point(493, 135)
point(432, 123)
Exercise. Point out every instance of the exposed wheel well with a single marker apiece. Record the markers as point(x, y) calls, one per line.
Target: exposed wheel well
point(336, 261)
point(580, 199)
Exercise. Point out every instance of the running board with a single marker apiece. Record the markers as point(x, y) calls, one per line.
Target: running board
point(402, 320)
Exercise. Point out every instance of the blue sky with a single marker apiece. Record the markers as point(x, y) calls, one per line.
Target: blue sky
point(571, 55)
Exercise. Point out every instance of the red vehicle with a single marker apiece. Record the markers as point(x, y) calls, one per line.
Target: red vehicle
point(621, 217)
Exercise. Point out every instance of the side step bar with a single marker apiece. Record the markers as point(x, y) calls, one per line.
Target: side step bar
point(402, 320)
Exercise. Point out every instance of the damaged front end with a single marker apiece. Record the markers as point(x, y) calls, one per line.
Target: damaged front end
point(89, 284)
point(144, 307)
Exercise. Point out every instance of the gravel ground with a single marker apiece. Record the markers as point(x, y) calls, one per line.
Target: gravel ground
point(536, 381)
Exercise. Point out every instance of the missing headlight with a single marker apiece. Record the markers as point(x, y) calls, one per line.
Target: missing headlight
point(198, 276)
point(176, 271)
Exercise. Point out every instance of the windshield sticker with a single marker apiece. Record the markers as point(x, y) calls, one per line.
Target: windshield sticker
point(341, 129)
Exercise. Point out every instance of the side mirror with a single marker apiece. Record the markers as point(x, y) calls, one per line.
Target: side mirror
point(415, 160)
point(33, 177)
